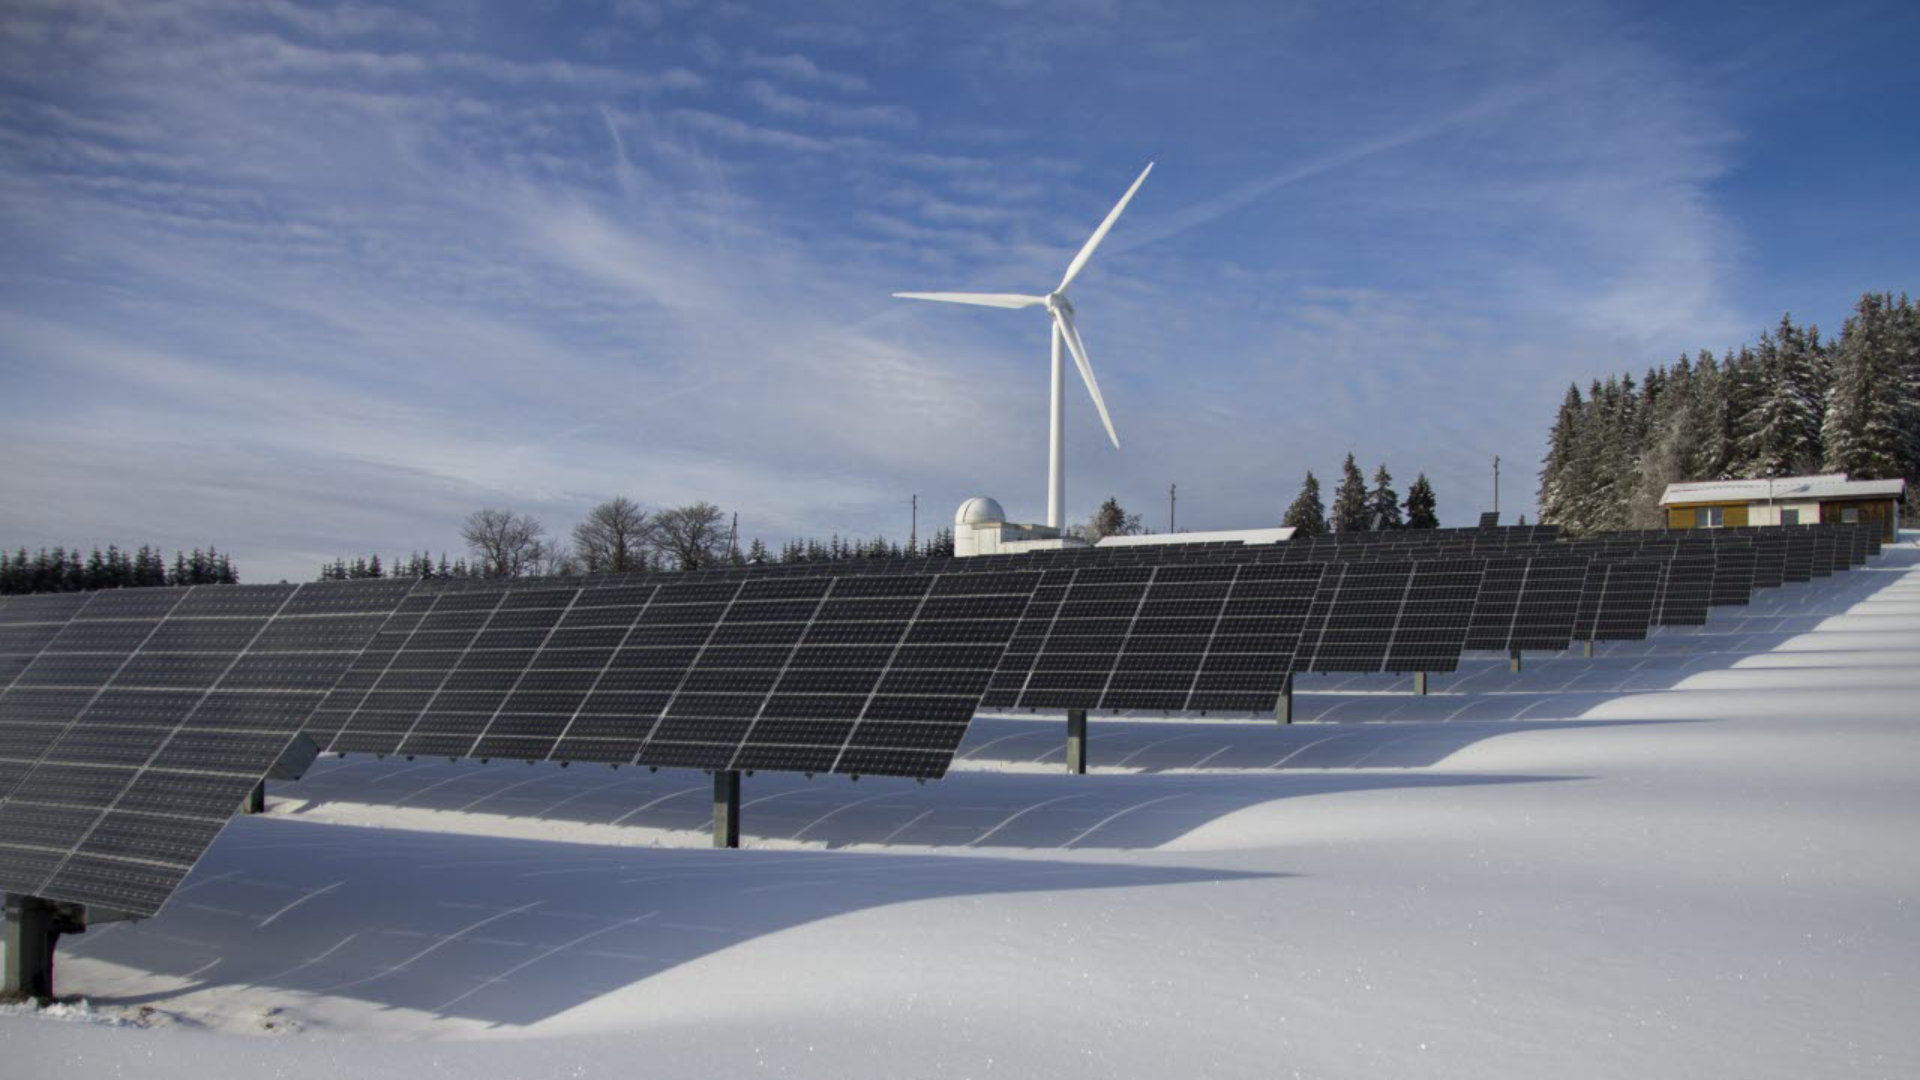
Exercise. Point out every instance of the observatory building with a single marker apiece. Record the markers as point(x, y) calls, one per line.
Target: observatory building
point(980, 527)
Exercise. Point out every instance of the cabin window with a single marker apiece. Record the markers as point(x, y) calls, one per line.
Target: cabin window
point(1850, 516)
point(1789, 517)
point(1708, 517)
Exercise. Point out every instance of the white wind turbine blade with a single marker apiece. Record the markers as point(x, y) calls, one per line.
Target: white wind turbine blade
point(1064, 323)
point(1099, 234)
point(1001, 300)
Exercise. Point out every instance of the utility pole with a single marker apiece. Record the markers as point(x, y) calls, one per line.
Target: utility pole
point(913, 531)
point(1173, 501)
point(1496, 484)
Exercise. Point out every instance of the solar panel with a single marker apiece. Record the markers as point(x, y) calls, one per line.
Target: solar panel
point(1394, 616)
point(27, 623)
point(1822, 560)
point(1618, 600)
point(158, 710)
point(74, 655)
point(1798, 564)
point(1490, 519)
point(1769, 562)
point(1493, 610)
point(1170, 638)
point(1527, 602)
point(854, 673)
point(1687, 590)
point(1734, 571)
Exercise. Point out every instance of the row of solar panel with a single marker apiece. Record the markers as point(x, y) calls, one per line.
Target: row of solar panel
point(132, 723)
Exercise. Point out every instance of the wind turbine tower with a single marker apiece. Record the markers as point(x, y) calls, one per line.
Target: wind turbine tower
point(1060, 314)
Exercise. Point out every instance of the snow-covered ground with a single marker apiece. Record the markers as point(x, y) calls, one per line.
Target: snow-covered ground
point(1692, 856)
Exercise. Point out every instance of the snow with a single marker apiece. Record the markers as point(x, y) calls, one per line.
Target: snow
point(1691, 856)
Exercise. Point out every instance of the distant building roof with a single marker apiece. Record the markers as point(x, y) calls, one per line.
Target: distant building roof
point(1245, 536)
point(1829, 486)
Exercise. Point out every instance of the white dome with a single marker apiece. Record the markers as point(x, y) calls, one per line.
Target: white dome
point(979, 510)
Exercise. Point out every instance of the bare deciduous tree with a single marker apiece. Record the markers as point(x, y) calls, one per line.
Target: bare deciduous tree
point(555, 560)
point(691, 536)
point(503, 543)
point(614, 537)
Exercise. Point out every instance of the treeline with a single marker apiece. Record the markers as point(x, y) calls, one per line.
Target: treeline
point(618, 535)
point(67, 570)
point(1359, 508)
point(836, 549)
point(415, 565)
point(1793, 404)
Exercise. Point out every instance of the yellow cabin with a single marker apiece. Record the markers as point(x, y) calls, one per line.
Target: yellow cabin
point(1785, 500)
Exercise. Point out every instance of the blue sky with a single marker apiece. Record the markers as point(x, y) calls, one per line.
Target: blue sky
point(307, 280)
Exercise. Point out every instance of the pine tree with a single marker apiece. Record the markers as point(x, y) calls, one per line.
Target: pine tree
point(1863, 437)
point(1906, 349)
point(1383, 503)
point(1308, 514)
point(1558, 483)
point(1777, 439)
point(1422, 510)
point(1350, 500)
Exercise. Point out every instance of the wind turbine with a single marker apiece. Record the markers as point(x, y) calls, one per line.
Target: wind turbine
point(1060, 312)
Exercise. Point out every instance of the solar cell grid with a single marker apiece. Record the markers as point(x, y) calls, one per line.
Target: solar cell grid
point(1687, 591)
point(1177, 638)
point(1734, 572)
point(1382, 616)
point(850, 673)
point(184, 703)
point(1618, 600)
point(1820, 563)
point(1527, 602)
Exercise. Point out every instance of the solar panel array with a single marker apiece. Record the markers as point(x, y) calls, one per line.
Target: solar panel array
point(133, 723)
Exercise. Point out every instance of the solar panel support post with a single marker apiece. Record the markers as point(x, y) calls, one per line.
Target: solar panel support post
point(1283, 711)
point(256, 799)
point(726, 808)
point(1587, 648)
point(1077, 741)
point(1513, 661)
point(1420, 683)
point(33, 928)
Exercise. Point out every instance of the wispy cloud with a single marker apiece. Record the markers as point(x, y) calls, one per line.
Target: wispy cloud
point(799, 68)
point(355, 272)
point(781, 103)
